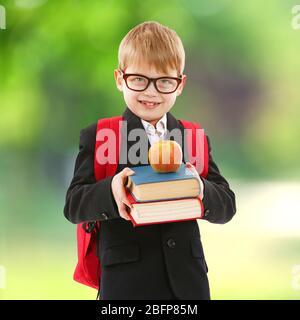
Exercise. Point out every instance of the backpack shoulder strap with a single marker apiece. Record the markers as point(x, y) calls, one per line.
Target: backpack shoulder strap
point(108, 169)
point(88, 269)
point(197, 146)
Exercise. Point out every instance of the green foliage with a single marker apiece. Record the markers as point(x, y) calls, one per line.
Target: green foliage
point(56, 76)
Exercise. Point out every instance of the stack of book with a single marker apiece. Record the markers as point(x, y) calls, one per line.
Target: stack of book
point(163, 197)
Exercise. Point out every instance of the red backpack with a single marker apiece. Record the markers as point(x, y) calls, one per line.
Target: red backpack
point(88, 269)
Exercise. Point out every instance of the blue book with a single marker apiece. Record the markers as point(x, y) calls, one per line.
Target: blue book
point(148, 185)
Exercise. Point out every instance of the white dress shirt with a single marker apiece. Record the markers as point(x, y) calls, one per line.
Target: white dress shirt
point(156, 133)
point(159, 133)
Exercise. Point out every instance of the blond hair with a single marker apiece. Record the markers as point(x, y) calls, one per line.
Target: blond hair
point(155, 44)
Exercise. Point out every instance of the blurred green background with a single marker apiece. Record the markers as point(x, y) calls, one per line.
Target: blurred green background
point(56, 77)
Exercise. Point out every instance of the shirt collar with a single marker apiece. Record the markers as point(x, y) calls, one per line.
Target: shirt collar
point(160, 129)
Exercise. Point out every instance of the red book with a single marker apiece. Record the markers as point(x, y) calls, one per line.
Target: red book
point(164, 211)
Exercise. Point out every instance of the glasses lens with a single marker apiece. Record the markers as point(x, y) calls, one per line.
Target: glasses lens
point(166, 85)
point(137, 82)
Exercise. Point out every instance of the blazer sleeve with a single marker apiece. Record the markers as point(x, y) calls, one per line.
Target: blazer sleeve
point(87, 199)
point(219, 199)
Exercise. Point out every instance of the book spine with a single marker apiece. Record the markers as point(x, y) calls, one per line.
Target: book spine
point(161, 222)
point(134, 223)
point(133, 199)
point(202, 208)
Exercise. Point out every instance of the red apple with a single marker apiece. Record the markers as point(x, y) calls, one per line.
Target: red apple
point(165, 156)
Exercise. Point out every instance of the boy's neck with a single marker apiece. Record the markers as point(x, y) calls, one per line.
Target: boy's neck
point(154, 122)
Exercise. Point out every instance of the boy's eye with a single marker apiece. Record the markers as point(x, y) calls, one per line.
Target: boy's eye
point(139, 79)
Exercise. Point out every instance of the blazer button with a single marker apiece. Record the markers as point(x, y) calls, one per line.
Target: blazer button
point(171, 243)
point(206, 212)
point(104, 216)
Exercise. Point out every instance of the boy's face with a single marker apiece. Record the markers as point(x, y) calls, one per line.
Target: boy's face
point(137, 100)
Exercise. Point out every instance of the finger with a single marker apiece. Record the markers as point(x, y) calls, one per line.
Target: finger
point(123, 213)
point(195, 172)
point(192, 168)
point(127, 172)
point(126, 202)
point(201, 189)
point(123, 197)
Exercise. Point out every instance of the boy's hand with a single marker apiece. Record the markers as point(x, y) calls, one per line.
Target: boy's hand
point(118, 189)
point(194, 170)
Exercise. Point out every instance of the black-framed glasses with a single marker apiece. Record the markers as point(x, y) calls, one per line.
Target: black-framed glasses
point(139, 82)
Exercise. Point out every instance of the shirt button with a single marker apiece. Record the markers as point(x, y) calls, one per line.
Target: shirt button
point(171, 243)
point(104, 216)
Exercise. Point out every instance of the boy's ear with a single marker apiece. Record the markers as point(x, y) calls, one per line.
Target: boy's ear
point(119, 79)
point(181, 86)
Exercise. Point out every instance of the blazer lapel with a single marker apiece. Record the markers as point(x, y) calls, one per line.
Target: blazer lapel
point(133, 122)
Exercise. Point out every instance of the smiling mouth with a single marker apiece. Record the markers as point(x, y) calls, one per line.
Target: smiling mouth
point(149, 103)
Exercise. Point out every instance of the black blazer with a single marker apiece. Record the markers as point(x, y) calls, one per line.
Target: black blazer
point(147, 262)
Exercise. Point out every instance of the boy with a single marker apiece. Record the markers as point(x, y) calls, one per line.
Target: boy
point(160, 261)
